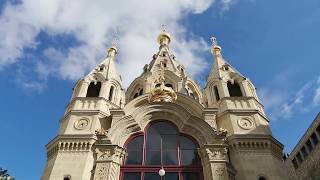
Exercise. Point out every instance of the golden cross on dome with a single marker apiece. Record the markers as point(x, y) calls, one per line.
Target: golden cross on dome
point(115, 38)
point(163, 27)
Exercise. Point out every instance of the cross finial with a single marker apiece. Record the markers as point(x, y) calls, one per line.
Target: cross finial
point(115, 38)
point(214, 41)
point(163, 27)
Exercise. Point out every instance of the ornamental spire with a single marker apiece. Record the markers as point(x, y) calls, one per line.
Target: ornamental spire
point(215, 48)
point(164, 37)
point(112, 51)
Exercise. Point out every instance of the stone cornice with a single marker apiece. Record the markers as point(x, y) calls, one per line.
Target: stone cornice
point(255, 143)
point(70, 143)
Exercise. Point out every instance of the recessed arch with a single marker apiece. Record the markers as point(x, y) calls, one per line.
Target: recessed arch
point(189, 121)
point(94, 89)
point(161, 145)
point(234, 89)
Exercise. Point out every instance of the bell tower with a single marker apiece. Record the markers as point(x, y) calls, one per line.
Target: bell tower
point(70, 154)
point(241, 113)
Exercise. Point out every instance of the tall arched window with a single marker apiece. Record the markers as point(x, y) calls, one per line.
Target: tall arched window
point(111, 93)
point(161, 146)
point(216, 93)
point(234, 89)
point(93, 89)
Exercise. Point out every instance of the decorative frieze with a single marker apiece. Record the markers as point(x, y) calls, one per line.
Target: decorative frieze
point(69, 146)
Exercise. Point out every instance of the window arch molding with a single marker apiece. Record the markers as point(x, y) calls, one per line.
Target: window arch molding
point(179, 152)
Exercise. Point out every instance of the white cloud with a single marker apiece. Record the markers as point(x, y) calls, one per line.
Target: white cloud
point(281, 102)
point(92, 24)
point(316, 97)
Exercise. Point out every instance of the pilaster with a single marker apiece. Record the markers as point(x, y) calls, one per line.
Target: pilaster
point(215, 161)
point(83, 89)
point(108, 160)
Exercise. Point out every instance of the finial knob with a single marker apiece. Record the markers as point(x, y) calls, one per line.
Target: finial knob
point(164, 38)
point(112, 51)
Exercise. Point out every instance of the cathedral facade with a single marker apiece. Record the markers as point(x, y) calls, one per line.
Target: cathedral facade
point(164, 126)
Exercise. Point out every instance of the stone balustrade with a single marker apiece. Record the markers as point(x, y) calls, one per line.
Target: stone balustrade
point(88, 104)
point(240, 103)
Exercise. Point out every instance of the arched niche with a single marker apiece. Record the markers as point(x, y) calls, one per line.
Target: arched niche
point(94, 89)
point(143, 114)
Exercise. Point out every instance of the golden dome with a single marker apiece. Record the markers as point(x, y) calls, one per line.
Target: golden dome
point(164, 38)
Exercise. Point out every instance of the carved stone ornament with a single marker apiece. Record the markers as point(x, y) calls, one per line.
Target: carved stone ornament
point(217, 154)
point(162, 93)
point(102, 171)
point(219, 171)
point(101, 132)
point(221, 132)
point(105, 155)
point(115, 154)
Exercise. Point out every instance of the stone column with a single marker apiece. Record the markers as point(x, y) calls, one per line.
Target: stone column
point(108, 160)
point(246, 90)
point(83, 89)
point(215, 161)
point(223, 90)
point(104, 91)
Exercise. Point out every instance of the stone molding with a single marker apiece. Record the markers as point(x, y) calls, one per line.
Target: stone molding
point(257, 144)
point(70, 143)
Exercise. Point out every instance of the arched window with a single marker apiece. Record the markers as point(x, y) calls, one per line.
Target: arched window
point(111, 93)
point(162, 146)
point(93, 89)
point(140, 92)
point(234, 89)
point(262, 178)
point(216, 93)
point(68, 177)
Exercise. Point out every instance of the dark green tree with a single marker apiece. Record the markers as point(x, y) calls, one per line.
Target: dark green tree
point(4, 174)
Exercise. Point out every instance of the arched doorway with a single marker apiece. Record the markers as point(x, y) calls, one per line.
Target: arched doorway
point(162, 145)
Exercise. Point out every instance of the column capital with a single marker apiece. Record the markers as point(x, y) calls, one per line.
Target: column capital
point(215, 153)
point(110, 153)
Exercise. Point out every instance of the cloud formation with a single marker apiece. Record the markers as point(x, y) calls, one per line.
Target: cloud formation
point(281, 102)
point(92, 24)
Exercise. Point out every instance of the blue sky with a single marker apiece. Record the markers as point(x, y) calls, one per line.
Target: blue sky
point(46, 46)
